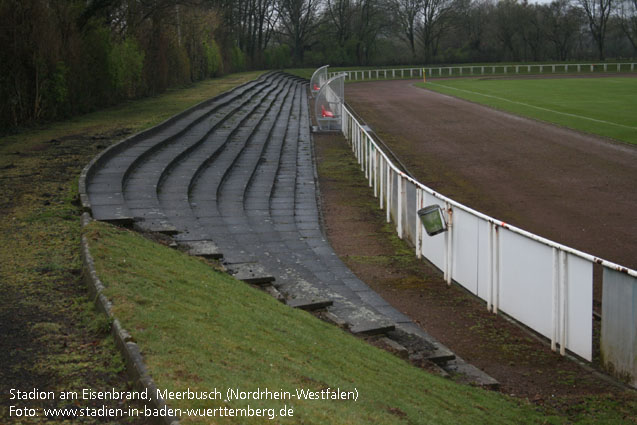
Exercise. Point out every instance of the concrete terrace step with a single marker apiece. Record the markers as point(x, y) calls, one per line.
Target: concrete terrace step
point(104, 181)
point(234, 178)
point(160, 175)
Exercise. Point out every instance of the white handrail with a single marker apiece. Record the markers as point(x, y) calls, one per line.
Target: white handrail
point(448, 71)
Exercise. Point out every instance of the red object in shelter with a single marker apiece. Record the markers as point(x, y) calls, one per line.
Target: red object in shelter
point(325, 113)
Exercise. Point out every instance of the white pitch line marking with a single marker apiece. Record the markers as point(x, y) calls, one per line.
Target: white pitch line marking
point(536, 107)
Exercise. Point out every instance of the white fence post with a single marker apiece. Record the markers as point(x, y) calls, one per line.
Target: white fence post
point(556, 299)
point(359, 146)
point(381, 180)
point(491, 269)
point(388, 189)
point(399, 209)
point(494, 269)
point(496, 286)
point(419, 196)
point(376, 173)
point(448, 245)
point(370, 163)
point(564, 300)
point(364, 167)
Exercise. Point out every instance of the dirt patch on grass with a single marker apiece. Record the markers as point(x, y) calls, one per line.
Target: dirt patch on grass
point(51, 337)
point(524, 366)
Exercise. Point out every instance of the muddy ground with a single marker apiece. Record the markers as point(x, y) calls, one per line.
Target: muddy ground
point(51, 336)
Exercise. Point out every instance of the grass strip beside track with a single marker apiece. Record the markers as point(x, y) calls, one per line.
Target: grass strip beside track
point(603, 106)
point(201, 329)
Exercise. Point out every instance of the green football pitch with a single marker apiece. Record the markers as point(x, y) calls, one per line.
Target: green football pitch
point(606, 106)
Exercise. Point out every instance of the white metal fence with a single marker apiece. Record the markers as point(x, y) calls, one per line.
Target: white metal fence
point(474, 70)
point(544, 285)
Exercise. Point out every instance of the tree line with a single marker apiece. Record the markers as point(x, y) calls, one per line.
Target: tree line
point(375, 32)
point(59, 58)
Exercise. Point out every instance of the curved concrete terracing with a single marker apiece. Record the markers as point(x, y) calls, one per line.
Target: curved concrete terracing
point(233, 178)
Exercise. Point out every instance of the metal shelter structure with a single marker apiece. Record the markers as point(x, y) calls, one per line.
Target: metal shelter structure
point(329, 104)
point(318, 79)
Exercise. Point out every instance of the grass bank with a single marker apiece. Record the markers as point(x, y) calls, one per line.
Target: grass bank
point(201, 329)
point(50, 336)
point(603, 106)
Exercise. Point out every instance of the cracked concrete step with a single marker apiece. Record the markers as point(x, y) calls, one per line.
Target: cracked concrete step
point(202, 248)
point(252, 273)
point(416, 339)
point(309, 305)
point(461, 371)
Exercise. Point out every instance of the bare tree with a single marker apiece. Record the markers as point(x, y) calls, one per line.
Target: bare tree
point(370, 22)
point(628, 19)
point(298, 20)
point(434, 14)
point(509, 19)
point(597, 12)
point(250, 24)
point(356, 25)
point(340, 14)
point(473, 24)
point(406, 15)
point(562, 23)
point(532, 30)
